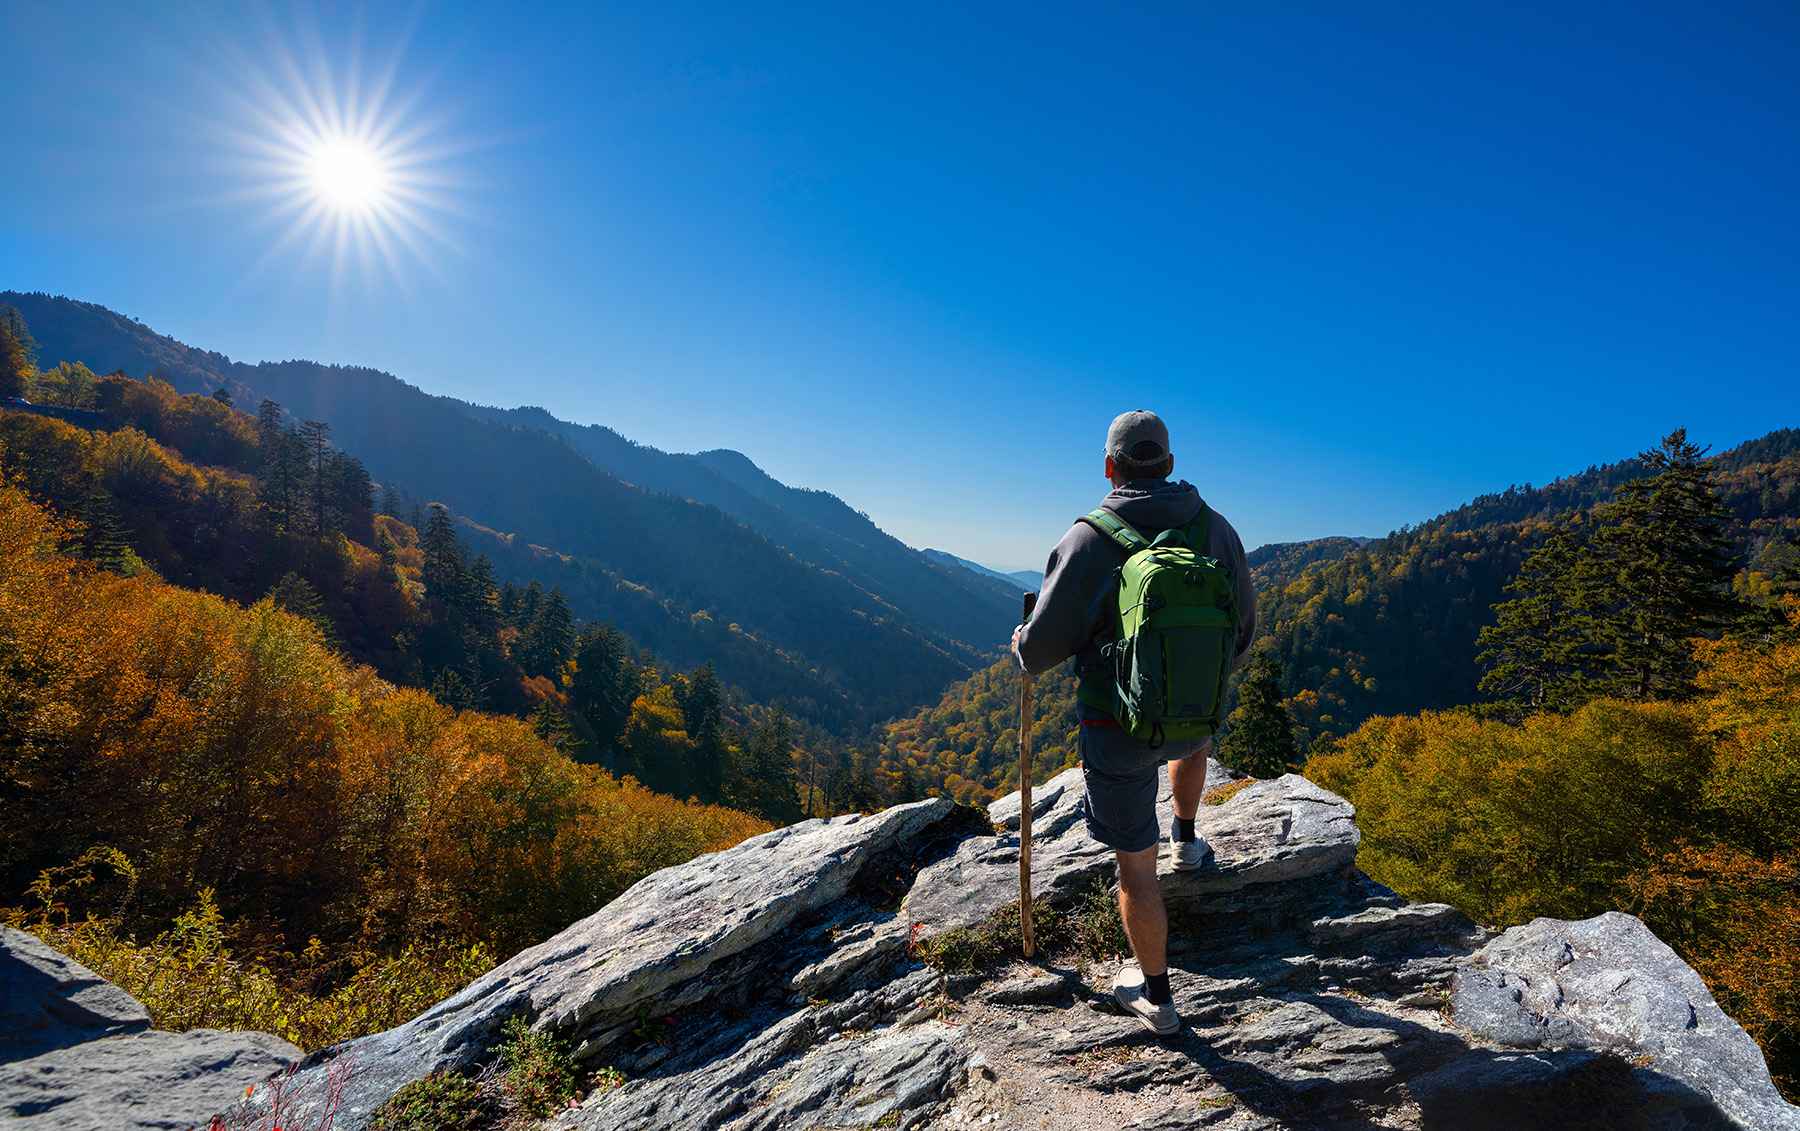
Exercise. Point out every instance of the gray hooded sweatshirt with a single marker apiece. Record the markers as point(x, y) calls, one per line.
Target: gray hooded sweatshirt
point(1072, 612)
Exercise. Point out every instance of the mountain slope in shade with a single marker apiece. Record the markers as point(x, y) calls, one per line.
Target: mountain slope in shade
point(824, 604)
point(816, 526)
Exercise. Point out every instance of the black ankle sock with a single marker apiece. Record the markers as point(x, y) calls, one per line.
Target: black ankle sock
point(1156, 988)
point(1184, 828)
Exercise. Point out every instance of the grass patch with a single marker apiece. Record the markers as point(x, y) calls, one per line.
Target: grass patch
point(1087, 929)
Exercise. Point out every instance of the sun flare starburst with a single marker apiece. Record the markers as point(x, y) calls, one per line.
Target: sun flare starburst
point(354, 169)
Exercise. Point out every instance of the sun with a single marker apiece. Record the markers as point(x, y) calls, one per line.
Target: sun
point(357, 171)
point(348, 175)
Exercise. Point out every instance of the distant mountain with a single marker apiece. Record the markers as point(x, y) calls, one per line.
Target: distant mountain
point(816, 526)
point(1022, 581)
point(1362, 626)
point(695, 548)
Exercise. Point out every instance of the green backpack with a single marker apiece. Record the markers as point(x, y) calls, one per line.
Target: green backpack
point(1174, 632)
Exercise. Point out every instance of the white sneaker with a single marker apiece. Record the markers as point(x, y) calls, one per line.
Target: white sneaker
point(1128, 991)
point(1189, 855)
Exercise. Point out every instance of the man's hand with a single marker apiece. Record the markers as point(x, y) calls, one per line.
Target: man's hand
point(1017, 633)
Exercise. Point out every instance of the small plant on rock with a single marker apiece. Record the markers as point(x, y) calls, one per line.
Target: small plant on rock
point(540, 1069)
point(442, 1101)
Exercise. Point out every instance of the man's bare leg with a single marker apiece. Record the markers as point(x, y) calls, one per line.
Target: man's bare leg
point(1141, 907)
point(1187, 781)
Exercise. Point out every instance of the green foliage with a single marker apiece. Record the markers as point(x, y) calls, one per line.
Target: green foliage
point(540, 1068)
point(1260, 741)
point(442, 1101)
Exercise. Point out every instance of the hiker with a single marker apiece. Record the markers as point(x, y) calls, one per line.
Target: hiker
point(1079, 614)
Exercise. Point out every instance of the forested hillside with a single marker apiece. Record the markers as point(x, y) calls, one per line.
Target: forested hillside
point(293, 519)
point(1360, 627)
point(193, 776)
point(848, 626)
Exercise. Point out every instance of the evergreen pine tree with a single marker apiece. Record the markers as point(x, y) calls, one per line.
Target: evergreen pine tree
point(1260, 741)
point(602, 686)
point(222, 395)
point(15, 361)
point(442, 571)
point(702, 700)
point(315, 436)
point(549, 639)
point(549, 723)
point(1666, 564)
point(762, 778)
point(1541, 652)
point(295, 594)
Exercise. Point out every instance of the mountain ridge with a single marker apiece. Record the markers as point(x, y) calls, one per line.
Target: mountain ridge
point(865, 612)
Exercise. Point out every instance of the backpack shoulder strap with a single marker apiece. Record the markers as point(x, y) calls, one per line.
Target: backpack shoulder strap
point(1117, 529)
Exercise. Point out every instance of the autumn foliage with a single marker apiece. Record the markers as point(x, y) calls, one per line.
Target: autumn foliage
point(1682, 813)
point(226, 748)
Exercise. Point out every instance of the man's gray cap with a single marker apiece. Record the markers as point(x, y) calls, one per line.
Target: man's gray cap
point(1138, 436)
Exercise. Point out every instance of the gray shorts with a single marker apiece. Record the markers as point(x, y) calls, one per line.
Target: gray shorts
point(1123, 777)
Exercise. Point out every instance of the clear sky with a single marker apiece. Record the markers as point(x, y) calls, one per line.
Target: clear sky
point(1368, 260)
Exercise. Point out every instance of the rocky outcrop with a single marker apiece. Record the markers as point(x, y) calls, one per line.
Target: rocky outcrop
point(777, 985)
point(78, 1053)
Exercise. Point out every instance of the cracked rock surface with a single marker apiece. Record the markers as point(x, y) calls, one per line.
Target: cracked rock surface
point(783, 981)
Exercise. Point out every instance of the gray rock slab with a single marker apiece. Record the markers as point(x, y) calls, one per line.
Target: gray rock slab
point(665, 931)
point(145, 1081)
point(1271, 832)
point(1608, 983)
point(877, 1056)
point(50, 1001)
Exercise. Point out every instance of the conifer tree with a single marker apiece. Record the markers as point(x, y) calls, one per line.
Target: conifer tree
point(1667, 564)
point(1541, 652)
point(222, 395)
point(1612, 607)
point(602, 686)
point(315, 438)
point(762, 778)
point(442, 571)
point(15, 361)
point(550, 637)
point(702, 700)
point(1260, 741)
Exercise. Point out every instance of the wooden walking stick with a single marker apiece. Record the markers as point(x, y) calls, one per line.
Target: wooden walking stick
point(1025, 929)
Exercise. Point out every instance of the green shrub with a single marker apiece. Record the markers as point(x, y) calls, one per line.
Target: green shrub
point(442, 1101)
point(540, 1068)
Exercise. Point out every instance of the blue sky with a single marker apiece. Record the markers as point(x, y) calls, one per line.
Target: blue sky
point(1366, 263)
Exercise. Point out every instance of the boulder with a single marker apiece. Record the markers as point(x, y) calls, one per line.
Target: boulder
point(676, 938)
point(1609, 984)
point(50, 1001)
point(1269, 833)
point(77, 1053)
